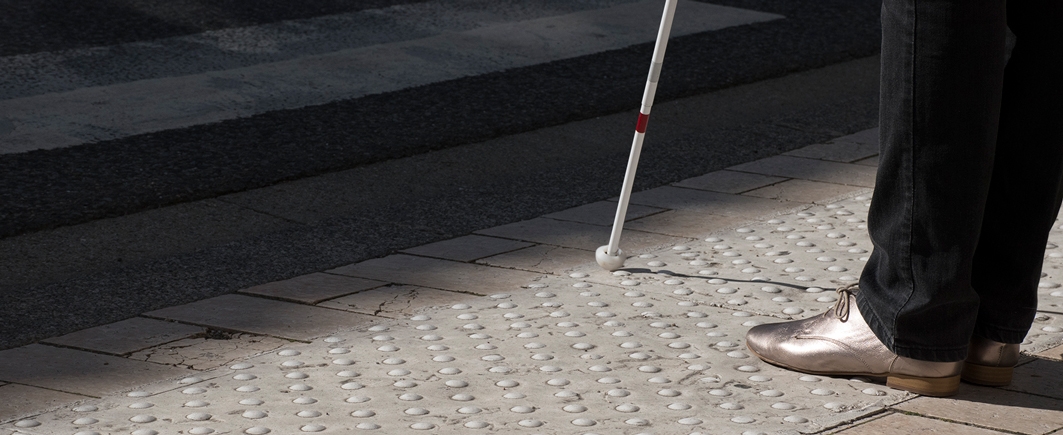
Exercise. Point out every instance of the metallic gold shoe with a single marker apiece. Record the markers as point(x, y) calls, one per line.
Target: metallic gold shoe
point(839, 343)
point(989, 362)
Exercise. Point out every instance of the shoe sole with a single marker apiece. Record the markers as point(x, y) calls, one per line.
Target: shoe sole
point(935, 387)
point(989, 376)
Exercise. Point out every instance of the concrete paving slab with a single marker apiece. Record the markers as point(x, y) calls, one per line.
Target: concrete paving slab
point(557, 360)
point(79, 372)
point(262, 316)
point(729, 181)
point(684, 223)
point(1055, 353)
point(542, 259)
point(678, 198)
point(467, 248)
point(127, 336)
point(1045, 332)
point(213, 350)
point(1042, 377)
point(846, 149)
point(134, 412)
point(394, 301)
point(804, 191)
point(865, 137)
point(811, 169)
point(993, 408)
point(22, 401)
point(1050, 300)
point(601, 213)
point(566, 352)
point(439, 274)
point(900, 424)
point(591, 350)
point(870, 161)
point(1050, 287)
point(313, 288)
point(577, 235)
point(786, 267)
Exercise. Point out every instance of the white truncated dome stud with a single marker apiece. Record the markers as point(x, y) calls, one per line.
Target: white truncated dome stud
point(663, 353)
point(609, 262)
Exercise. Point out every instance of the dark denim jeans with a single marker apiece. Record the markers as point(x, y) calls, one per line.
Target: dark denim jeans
point(970, 174)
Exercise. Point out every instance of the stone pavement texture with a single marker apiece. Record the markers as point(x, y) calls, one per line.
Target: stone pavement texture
point(515, 328)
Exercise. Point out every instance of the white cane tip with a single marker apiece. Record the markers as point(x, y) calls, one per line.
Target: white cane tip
point(609, 262)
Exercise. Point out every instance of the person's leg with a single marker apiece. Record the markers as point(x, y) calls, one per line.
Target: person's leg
point(1027, 184)
point(942, 74)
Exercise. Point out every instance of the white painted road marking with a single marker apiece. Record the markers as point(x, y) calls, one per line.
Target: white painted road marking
point(79, 116)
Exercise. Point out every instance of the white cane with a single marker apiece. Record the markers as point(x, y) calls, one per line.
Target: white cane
point(610, 256)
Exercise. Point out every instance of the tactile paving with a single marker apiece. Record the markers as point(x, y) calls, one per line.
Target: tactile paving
point(656, 348)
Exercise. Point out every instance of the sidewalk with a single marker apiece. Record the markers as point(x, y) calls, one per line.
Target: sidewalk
point(515, 328)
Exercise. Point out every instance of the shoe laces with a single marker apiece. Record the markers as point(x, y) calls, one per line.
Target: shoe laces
point(841, 308)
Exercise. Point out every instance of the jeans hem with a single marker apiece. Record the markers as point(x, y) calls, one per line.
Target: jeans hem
point(1001, 334)
point(936, 353)
point(884, 335)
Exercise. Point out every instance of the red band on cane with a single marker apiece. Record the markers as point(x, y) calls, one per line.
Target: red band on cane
point(643, 120)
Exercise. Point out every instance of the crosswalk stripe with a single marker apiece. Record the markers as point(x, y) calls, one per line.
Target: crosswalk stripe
point(68, 118)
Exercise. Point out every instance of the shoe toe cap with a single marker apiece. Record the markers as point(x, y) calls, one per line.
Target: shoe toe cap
point(779, 344)
point(764, 340)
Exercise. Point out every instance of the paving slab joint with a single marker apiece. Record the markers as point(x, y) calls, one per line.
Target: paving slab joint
point(959, 422)
point(847, 424)
point(647, 332)
point(218, 331)
point(783, 180)
point(50, 409)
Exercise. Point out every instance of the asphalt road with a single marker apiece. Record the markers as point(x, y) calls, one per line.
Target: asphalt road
point(53, 25)
point(102, 231)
